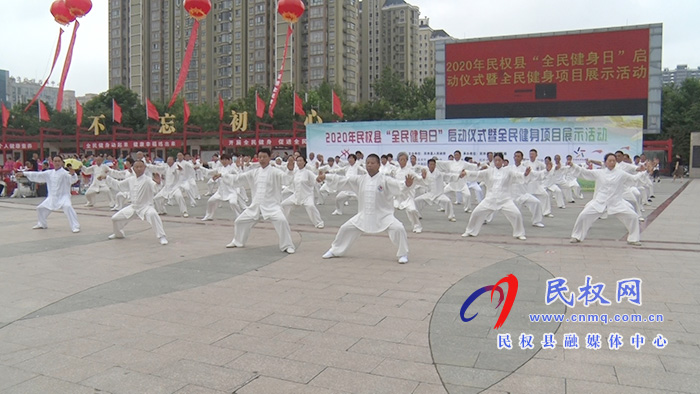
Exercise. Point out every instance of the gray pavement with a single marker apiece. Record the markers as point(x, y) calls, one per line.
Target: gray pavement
point(81, 314)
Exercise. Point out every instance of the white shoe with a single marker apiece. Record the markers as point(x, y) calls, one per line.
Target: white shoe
point(320, 226)
point(38, 227)
point(76, 230)
point(207, 219)
point(634, 243)
point(418, 230)
point(549, 215)
point(539, 224)
point(641, 219)
point(575, 240)
point(467, 210)
point(522, 238)
point(290, 250)
point(346, 203)
point(468, 235)
point(403, 259)
point(328, 255)
point(231, 245)
point(185, 215)
point(163, 241)
point(114, 208)
point(452, 219)
point(336, 212)
point(88, 205)
point(441, 210)
point(115, 236)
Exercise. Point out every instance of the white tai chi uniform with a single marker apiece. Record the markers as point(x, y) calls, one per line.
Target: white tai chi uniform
point(344, 196)
point(225, 192)
point(459, 186)
point(97, 185)
point(521, 196)
point(406, 200)
point(608, 198)
point(58, 184)
point(141, 192)
point(121, 196)
point(188, 184)
point(535, 185)
point(303, 186)
point(171, 188)
point(214, 167)
point(266, 188)
point(375, 195)
point(498, 181)
point(435, 183)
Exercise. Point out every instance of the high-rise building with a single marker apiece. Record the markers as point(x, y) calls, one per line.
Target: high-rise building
point(680, 74)
point(20, 90)
point(240, 45)
point(426, 50)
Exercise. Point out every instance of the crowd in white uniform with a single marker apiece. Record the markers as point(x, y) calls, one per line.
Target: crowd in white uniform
point(380, 186)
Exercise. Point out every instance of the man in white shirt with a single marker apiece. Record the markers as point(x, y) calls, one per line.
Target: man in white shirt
point(97, 170)
point(375, 195)
point(265, 184)
point(58, 184)
point(141, 189)
point(225, 192)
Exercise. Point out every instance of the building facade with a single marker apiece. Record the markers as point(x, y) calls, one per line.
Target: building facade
point(240, 44)
point(680, 74)
point(18, 91)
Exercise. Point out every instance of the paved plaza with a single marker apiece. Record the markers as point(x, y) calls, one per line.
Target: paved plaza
point(83, 314)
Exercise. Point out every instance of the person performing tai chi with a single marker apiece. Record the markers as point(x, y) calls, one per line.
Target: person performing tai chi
point(610, 186)
point(375, 195)
point(498, 180)
point(435, 180)
point(265, 183)
point(141, 189)
point(97, 169)
point(303, 193)
point(343, 197)
point(58, 184)
point(224, 192)
point(172, 172)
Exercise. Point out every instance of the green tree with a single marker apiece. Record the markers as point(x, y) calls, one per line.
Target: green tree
point(680, 115)
point(133, 111)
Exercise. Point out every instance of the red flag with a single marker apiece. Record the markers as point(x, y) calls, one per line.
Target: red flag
point(78, 113)
point(152, 111)
point(221, 108)
point(186, 60)
point(186, 111)
point(298, 105)
point(278, 83)
point(259, 106)
point(43, 113)
point(116, 112)
point(336, 105)
point(5, 115)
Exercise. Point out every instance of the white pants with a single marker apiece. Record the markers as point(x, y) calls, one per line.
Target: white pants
point(43, 214)
point(311, 210)
point(248, 218)
point(122, 198)
point(342, 197)
point(159, 201)
point(348, 234)
point(533, 205)
point(442, 201)
point(558, 195)
point(545, 202)
point(633, 196)
point(121, 218)
point(213, 204)
point(212, 185)
point(95, 189)
point(509, 210)
point(589, 215)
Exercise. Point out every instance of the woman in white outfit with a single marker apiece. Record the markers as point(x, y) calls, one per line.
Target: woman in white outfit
point(303, 187)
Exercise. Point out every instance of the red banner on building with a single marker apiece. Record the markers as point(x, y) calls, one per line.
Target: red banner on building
point(611, 65)
point(242, 142)
point(132, 144)
point(20, 145)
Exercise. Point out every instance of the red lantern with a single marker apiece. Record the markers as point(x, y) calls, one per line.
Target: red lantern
point(79, 8)
point(291, 10)
point(198, 9)
point(60, 12)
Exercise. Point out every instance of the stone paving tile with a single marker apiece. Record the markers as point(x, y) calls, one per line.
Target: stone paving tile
point(525, 384)
point(303, 323)
point(133, 359)
point(337, 358)
point(275, 367)
point(195, 351)
point(329, 340)
point(194, 389)
point(408, 370)
point(119, 380)
point(356, 382)
point(393, 350)
point(582, 371)
point(425, 388)
point(269, 347)
point(46, 384)
point(574, 386)
point(267, 385)
point(205, 375)
point(648, 378)
point(12, 376)
point(472, 377)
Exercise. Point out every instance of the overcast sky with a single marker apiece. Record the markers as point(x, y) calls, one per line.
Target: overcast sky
point(29, 32)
